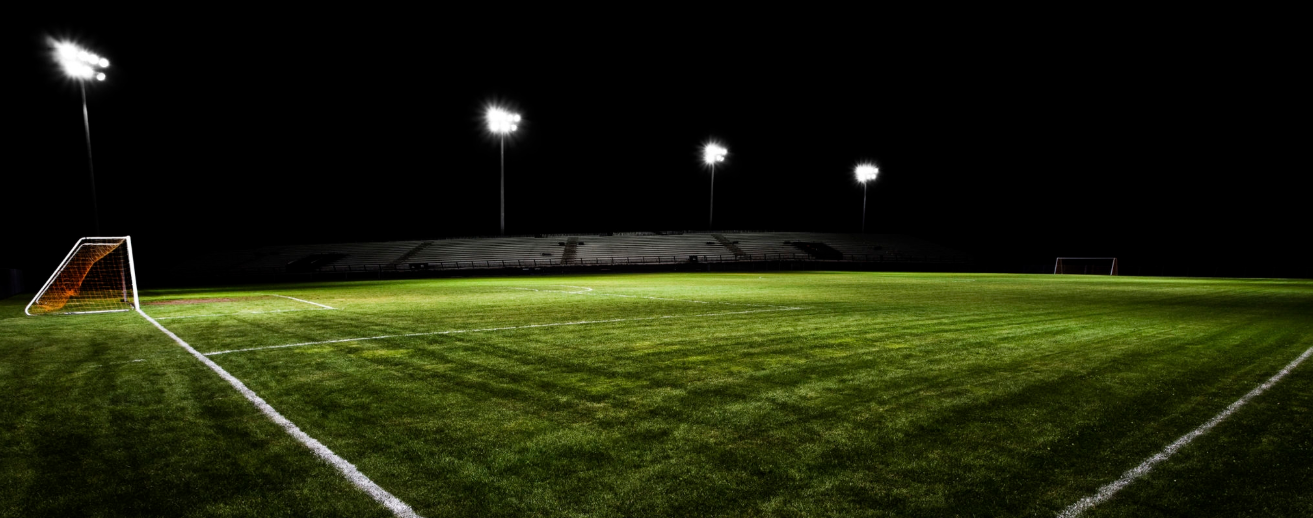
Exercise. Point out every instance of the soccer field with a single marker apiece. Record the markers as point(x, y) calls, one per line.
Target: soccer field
point(739, 394)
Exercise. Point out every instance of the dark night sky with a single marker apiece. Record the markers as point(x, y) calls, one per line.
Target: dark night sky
point(1082, 134)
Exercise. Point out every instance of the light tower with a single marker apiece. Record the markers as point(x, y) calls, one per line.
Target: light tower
point(81, 65)
point(501, 123)
point(713, 153)
point(866, 172)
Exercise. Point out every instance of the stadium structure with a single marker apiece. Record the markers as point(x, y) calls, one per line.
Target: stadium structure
point(610, 251)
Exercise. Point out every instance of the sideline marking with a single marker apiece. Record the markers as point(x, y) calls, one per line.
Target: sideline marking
point(459, 331)
point(1109, 490)
point(352, 474)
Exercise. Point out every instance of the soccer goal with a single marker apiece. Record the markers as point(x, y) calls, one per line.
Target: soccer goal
point(1086, 266)
point(97, 276)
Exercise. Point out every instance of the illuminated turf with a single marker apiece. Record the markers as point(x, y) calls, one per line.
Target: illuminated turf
point(668, 395)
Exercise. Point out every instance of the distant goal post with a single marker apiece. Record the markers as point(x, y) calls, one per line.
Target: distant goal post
point(97, 276)
point(1085, 266)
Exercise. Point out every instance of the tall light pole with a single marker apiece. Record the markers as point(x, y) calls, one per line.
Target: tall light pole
point(501, 123)
point(82, 66)
point(866, 172)
point(712, 153)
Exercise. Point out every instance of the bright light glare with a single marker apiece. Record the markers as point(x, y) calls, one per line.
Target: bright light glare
point(501, 121)
point(77, 62)
point(866, 172)
point(714, 153)
point(78, 70)
point(66, 50)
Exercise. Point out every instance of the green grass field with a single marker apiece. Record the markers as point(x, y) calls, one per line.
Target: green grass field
point(745, 394)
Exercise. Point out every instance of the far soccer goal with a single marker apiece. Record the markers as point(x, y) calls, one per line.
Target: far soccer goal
point(1086, 265)
point(97, 276)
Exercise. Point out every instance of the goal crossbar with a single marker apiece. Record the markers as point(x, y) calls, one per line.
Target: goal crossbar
point(115, 242)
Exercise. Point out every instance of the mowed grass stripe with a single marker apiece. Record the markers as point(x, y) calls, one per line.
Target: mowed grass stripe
point(243, 331)
point(1258, 463)
point(556, 391)
point(85, 431)
point(892, 394)
point(500, 329)
point(348, 470)
point(1110, 490)
point(532, 389)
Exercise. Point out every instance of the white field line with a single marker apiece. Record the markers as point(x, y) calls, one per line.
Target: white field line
point(244, 313)
point(306, 301)
point(589, 291)
point(1109, 490)
point(459, 331)
point(586, 290)
point(352, 474)
point(90, 312)
point(582, 289)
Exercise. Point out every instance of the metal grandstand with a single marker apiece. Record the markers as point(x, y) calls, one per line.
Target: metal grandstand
point(575, 251)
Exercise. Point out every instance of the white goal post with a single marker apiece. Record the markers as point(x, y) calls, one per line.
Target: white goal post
point(97, 276)
point(1085, 266)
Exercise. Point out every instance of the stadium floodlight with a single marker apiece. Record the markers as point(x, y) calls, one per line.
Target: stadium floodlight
point(82, 65)
point(712, 154)
point(502, 122)
point(866, 172)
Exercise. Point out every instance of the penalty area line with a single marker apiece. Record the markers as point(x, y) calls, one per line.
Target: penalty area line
point(246, 313)
point(589, 291)
point(488, 329)
point(1106, 492)
point(347, 469)
point(305, 301)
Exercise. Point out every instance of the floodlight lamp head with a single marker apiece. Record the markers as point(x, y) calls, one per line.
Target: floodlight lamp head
point(78, 63)
point(866, 172)
point(713, 153)
point(501, 121)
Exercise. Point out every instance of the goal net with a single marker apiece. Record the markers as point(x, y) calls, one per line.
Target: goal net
point(1086, 265)
point(97, 276)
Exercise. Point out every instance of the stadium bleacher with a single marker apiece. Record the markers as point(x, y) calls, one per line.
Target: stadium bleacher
point(616, 248)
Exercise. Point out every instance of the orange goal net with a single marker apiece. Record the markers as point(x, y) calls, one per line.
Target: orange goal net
point(97, 276)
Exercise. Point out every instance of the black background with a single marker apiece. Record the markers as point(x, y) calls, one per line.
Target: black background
point(1013, 136)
